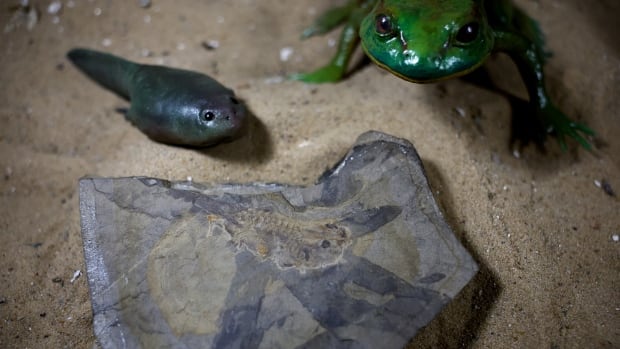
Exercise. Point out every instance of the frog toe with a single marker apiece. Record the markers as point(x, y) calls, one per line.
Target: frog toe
point(563, 127)
point(578, 133)
point(584, 129)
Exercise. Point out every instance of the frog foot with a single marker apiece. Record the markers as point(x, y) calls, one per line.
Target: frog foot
point(561, 126)
point(328, 73)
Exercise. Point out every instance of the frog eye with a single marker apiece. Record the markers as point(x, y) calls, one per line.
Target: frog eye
point(468, 33)
point(383, 25)
point(207, 115)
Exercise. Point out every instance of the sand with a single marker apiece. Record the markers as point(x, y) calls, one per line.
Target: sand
point(539, 226)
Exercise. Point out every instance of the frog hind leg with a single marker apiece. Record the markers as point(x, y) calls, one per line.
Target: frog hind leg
point(349, 39)
point(529, 58)
point(530, 28)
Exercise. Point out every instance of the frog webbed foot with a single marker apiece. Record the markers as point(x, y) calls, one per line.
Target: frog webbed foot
point(557, 123)
point(532, 124)
point(328, 73)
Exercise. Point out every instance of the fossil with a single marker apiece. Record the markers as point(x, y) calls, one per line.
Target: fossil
point(290, 242)
point(362, 258)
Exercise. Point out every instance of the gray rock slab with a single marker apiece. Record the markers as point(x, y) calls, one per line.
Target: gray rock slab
point(361, 259)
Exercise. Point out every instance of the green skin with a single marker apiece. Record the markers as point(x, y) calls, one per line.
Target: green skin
point(169, 105)
point(425, 41)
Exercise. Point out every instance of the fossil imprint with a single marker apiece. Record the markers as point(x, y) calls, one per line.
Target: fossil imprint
point(289, 242)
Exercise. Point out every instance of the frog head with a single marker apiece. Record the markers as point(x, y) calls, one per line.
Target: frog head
point(427, 40)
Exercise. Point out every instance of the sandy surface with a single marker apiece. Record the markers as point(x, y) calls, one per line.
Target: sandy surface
point(539, 227)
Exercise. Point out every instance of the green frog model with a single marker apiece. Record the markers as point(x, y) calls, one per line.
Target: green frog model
point(169, 105)
point(430, 40)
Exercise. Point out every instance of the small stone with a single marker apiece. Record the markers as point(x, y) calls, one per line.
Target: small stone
point(286, 53)
point(54, 7)
point(210, 45)
point(607, 188)
point(58, 280)
point(76, 275)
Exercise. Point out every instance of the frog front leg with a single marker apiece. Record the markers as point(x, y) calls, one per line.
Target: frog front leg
point(329, 20)
point(334, 71)
point(530, 64)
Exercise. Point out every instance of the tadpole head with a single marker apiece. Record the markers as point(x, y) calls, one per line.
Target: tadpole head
point(218, 119)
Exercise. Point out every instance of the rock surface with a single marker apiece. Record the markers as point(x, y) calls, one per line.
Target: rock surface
point(361, 259)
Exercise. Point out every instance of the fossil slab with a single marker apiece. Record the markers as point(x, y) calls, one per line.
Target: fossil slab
point(361, 259)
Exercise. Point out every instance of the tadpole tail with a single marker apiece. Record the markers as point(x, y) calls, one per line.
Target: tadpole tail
point(112, 72)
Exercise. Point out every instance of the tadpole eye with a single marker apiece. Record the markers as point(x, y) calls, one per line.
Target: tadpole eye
point(383, 25)
point(234, 100)
point(207, 115)
point(468, 33)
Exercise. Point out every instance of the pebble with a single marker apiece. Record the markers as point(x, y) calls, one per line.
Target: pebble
point(211, 44)
point(76, 275)
point(54, 7)
point(285, 53)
